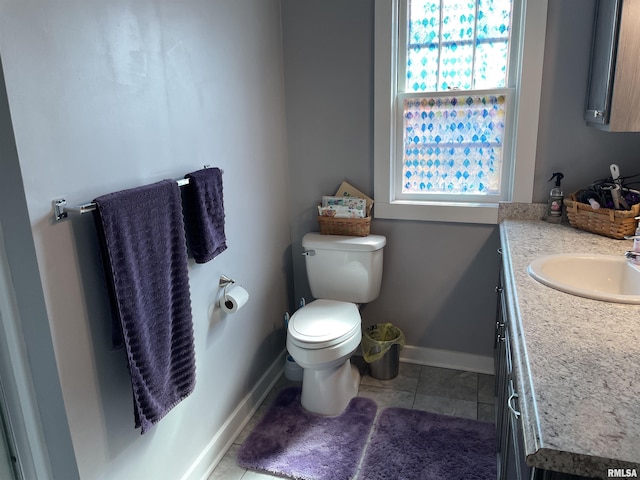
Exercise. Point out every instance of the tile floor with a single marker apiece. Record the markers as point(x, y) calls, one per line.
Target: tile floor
point(440, 390)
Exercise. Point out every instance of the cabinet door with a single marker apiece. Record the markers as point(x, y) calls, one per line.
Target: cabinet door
point(603, 58)
point(625, 100)
point(613, 101)
point(500, 393)
point(512, 459)
point(503, 424)
point(510, 448)
point(511, 465)
point(521, 471)
point(499, 354)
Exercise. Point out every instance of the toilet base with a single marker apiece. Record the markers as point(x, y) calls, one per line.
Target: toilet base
point(329, 391)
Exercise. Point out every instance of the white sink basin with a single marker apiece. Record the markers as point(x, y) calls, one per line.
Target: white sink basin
point(610, 278)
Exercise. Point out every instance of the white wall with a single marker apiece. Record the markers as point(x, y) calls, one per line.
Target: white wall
point(112, 95)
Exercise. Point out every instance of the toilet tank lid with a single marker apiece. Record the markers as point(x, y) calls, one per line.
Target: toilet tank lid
point(318, 241)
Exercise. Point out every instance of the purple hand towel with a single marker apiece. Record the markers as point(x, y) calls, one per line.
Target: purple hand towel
point(204, 214)
point(145, 257)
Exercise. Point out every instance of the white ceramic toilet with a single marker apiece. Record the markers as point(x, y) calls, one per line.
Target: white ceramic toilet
point(342, 271)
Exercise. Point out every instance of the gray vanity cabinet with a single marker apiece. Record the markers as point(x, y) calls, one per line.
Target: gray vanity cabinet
point(613, 101)
point(510, 450)
point(511, 463)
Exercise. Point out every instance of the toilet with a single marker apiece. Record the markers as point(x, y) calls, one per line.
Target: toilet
point(344, 272)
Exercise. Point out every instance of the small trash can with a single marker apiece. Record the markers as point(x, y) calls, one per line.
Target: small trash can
point(292, 371)
point(381, 345)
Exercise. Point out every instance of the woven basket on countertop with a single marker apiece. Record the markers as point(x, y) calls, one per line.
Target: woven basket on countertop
point(603, 221)
point(357, 227)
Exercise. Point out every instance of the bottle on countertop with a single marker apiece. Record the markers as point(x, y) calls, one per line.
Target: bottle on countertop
point(588, 196)
point(556, 200)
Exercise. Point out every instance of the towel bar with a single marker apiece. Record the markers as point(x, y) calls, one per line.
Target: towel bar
point(61, 210)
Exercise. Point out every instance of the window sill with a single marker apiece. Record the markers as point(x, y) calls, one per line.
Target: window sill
point(438, 212)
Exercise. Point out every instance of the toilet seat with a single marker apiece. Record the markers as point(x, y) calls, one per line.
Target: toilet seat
point(324, 323)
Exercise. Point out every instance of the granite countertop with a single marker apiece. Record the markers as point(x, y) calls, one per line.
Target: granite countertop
point(576, 360)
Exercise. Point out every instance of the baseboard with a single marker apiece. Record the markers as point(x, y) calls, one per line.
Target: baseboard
point(434, 357)
point(211, 455)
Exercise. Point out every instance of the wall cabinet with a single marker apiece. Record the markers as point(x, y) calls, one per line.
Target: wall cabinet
point(613, 101)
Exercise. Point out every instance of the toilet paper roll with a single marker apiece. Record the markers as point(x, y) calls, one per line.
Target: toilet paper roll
point(233, 299)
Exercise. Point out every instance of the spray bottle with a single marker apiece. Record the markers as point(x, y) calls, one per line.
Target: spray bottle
point(556, 197)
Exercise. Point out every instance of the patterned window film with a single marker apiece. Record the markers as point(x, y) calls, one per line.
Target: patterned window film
point(453, 145)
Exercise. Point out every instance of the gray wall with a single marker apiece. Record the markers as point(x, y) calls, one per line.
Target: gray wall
point(328, 55)
point(439, 278)
point(112, 95)
point(565, 143)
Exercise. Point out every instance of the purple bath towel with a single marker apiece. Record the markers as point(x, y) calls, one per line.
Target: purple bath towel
point(204, 214)
point(145, 257)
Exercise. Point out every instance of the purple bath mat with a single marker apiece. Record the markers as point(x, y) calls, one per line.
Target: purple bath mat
point(292, 442)
point(417, 445)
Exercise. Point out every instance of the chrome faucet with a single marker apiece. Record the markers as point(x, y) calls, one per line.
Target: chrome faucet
point(633, 254)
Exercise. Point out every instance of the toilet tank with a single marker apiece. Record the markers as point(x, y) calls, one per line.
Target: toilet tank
point(344, 268)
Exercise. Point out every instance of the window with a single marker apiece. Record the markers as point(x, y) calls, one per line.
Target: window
point(449, 120)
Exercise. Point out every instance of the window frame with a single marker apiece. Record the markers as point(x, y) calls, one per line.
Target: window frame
point(524, 111)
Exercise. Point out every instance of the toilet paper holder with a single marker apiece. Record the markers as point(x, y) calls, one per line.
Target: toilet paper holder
point(235, 299)
point(225, 281)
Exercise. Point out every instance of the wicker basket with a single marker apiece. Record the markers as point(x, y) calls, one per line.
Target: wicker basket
point(357, 227)
point(604, 221)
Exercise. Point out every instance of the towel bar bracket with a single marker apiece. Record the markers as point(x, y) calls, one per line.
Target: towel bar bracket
point(61, 209)
point(59, 212)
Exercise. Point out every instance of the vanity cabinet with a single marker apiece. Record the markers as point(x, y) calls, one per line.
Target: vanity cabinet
point(510, 449)
point(613, 100)
point(511, 464)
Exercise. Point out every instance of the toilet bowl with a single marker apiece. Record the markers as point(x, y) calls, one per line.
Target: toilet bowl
point(321, 338)
point(342, 271)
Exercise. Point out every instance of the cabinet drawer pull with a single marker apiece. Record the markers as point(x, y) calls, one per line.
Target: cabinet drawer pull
point(515, 412)
point(500, 331)
point(500, 251)
point(499, 289)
